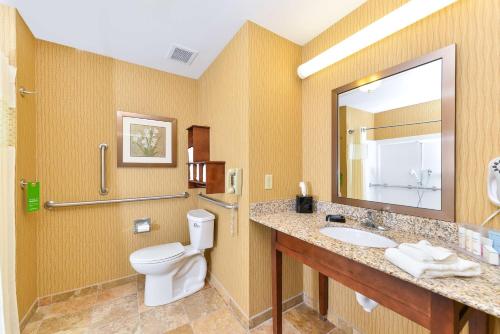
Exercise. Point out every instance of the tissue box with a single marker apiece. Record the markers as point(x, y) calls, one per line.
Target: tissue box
point(303, 204)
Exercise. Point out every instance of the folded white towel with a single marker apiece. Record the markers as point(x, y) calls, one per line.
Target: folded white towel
point(423, 251)
point(421, 269)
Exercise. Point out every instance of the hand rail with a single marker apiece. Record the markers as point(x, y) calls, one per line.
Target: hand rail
point(102, 168)
point(53, 205)
point(218, 202)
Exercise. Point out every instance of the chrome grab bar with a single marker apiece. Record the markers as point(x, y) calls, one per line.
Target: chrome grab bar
point(102, 188)
point(385, 185)
point(52, 204)
point(23, 92)
point(218, 202)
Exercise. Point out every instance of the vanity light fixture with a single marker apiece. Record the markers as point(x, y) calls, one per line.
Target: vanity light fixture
point(409, 13)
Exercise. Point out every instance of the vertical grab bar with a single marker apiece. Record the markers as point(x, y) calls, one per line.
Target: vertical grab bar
point(102, 189)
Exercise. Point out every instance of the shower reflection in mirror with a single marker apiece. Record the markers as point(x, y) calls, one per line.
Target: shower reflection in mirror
point(390, 139)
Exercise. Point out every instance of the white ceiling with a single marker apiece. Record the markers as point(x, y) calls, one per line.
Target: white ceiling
point(142, 31)
point(417, 85)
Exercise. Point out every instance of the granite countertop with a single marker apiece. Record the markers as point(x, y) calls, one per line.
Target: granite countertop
point(482, 292)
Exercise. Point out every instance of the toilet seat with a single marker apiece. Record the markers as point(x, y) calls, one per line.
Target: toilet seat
point(158, 254)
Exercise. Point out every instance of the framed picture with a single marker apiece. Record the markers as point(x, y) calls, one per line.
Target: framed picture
point(146, 141)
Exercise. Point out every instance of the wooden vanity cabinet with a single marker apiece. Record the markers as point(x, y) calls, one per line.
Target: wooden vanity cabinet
point(437, 313)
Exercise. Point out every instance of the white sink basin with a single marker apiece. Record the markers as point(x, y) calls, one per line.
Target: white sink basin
point(358, 237)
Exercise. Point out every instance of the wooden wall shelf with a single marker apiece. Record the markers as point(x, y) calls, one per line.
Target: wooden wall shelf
point(203, 173)
point(199, 140)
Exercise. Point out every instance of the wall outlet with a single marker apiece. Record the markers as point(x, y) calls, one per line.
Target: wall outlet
point(268, 182)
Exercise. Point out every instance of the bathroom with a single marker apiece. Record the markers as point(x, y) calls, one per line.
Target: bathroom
point(82, 67)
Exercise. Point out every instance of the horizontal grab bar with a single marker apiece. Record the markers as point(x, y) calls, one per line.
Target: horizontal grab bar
point(385, 185)
point(53, 205)
point(218, 202)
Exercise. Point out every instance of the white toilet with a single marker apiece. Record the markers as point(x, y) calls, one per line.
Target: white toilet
point(174, 271)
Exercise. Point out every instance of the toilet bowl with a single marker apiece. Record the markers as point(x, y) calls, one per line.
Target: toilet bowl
point(174, 271)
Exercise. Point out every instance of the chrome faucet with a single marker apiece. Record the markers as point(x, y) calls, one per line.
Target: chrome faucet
point(370, 221)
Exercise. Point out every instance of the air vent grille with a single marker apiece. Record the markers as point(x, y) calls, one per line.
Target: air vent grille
point(184, 55)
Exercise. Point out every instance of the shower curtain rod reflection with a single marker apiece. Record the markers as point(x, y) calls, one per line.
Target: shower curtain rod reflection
point(351, 131)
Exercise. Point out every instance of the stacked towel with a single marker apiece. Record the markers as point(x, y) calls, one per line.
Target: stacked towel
point(423, 260)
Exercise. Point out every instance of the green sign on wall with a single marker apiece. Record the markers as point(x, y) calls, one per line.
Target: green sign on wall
point(32, 196)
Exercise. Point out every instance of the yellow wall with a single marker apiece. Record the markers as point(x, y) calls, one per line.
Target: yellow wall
point(247, 108)
point(17, 42)
point(427, 111)
point(26, 223)
point(473, 26)
point(224, 106)
point(78, 96)
point(275, 148)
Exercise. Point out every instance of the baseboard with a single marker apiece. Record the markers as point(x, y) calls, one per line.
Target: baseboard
point(246, 321)
point(265, 315)
point(259, 318)
point(27, 317)
point(233, 305)
point(62, 296)
point(334, 318)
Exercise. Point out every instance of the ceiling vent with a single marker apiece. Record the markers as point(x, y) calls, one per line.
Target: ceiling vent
point(182, 54)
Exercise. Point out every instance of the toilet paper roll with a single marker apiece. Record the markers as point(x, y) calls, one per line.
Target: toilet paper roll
point(142, 227)
point(365, 302)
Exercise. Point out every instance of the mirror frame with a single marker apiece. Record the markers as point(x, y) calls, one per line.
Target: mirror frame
point(447, 212)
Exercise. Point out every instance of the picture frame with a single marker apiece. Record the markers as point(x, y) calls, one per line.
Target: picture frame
point(146, 140)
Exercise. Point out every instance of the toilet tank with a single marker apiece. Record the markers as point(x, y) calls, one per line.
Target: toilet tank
point(201, 228)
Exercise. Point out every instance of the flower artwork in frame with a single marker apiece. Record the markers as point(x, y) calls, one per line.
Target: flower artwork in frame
point(146, 141)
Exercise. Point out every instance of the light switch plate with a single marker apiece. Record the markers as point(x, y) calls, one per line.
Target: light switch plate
point(268, 182)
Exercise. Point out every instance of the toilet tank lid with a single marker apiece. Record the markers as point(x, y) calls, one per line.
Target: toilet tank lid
point(200, 216)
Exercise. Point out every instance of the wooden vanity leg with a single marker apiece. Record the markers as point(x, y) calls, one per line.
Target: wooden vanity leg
point(323, 295)
point(478, 322)
point(444, 317)
point(277, 285)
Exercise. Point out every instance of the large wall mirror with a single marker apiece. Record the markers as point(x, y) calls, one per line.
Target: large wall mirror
point(394, 138)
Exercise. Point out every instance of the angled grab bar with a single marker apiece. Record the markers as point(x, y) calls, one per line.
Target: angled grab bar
point(218, 202)
point(53, 205)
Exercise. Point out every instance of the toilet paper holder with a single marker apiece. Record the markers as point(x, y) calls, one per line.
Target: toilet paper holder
point(142, 225)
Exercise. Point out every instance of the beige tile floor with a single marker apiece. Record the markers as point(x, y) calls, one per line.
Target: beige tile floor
point(119, 308)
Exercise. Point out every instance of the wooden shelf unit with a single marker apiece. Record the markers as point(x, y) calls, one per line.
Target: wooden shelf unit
point(215, 173)
point(199, 140)
point(214, 180)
